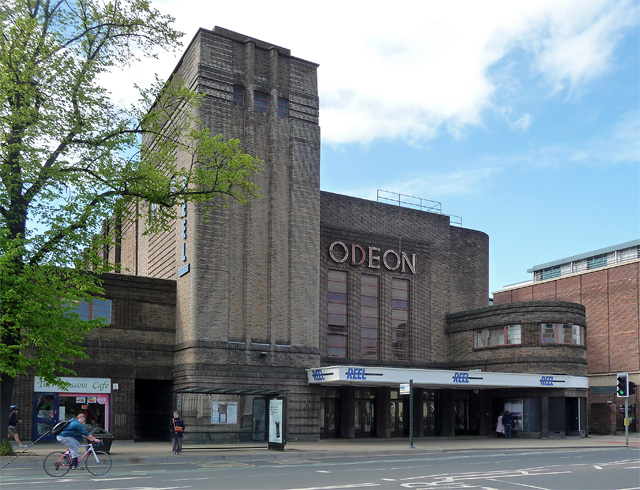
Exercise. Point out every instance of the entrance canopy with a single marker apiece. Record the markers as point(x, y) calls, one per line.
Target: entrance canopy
point(436, 378)
point(228, 391)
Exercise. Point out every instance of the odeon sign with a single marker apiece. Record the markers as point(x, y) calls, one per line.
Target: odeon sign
point(390, 259)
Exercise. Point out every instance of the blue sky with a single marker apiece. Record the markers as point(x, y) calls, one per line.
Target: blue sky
point(523, 118)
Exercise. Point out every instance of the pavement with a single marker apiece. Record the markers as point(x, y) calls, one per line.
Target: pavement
point(131, 452)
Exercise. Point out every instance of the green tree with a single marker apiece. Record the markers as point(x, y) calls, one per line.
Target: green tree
point(72, 159)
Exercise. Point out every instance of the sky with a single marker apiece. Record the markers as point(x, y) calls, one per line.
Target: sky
point(521, 118)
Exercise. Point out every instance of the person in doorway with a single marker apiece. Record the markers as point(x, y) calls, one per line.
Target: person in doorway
point(176, 426)
point(13, 425)
point(507, 421)
point(500, 426)
point(67, 437)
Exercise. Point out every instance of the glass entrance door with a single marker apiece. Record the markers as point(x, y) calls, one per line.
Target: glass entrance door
point(329, 418)
point(45, 415)
point(364, 418)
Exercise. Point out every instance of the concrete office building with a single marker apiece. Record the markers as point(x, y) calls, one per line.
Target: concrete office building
point(606, 282)
point(327, 301)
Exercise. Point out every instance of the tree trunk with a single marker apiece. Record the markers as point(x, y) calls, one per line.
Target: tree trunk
point(6, 400)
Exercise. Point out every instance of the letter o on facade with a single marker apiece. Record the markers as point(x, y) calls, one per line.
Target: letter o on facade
point(386, 263)
point(339, 244)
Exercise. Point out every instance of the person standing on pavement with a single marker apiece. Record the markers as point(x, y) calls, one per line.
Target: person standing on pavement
point(507, 420)
point(67, 437)
point(500, 426)
point(176, 426)
point(13, 425)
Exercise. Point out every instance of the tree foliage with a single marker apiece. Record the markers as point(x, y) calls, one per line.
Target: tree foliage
point(72, 158)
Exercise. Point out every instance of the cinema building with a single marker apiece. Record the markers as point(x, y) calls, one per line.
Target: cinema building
point(326, 301)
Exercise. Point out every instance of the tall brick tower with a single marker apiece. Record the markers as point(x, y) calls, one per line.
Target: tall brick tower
point(247, 278)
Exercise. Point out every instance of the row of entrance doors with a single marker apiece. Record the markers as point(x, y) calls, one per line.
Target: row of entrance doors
point(364, 418)
point(566, 416)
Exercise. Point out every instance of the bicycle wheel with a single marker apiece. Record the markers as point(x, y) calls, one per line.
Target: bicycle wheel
point(57, 463)
point(99, 467)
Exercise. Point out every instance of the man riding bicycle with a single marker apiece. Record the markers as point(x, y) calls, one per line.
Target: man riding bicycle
point(67, 438)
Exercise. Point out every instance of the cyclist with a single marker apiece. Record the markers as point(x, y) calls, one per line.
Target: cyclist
point(66, 437)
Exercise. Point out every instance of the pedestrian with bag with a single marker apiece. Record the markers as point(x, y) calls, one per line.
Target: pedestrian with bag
point(176, 426)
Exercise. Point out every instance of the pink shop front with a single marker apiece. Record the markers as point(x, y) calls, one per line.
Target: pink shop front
point(91, 396)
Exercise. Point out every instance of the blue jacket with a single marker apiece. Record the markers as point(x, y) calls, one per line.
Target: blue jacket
point(74, 428)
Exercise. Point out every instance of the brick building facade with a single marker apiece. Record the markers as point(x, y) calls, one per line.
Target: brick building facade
point(607, 283)
point(325, 301)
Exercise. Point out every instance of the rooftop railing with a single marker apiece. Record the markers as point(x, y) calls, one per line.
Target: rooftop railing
point(419, 203)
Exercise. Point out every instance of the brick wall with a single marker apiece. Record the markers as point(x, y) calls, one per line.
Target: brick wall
point(531, 355)
point(611, 296)
point(451, 272)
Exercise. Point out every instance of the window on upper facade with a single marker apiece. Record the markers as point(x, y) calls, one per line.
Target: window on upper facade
point(562, 333)
point(337, 334)
point(260, 102)
point(400, 320)
point(283, 107)
point(491, 337)
point(369, 316)
point(96, 308)
point(551, 273)
point(238, 95)
point(597, 261)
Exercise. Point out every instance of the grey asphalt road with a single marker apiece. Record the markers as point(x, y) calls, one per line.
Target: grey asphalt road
point(552, 469)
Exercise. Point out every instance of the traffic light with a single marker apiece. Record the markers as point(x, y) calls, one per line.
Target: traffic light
point(622, 389)
point(632, 388)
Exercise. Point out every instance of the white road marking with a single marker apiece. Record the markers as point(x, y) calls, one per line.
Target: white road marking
point(521, 484)
point(338, 487)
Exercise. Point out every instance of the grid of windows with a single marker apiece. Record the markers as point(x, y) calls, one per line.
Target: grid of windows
point(97, 308)
point(491, 337)
point(260, 102)
point(238, 95)
point(562, 333)
point(400, 320)
point(283, 107)
point(369, 316)
point(337, 314)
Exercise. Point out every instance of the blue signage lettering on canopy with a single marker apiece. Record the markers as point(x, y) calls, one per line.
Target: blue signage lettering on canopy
point(546, 381)
point(355, 373)
point(317, 375)
point(461, 377)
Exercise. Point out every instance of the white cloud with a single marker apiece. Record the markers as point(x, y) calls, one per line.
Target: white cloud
point(523, 123)
point(434, 186)
point(413, 69)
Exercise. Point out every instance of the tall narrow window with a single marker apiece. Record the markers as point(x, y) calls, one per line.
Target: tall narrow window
point(260, 102)
point(238, 95)
point(400, 320)
point(283, 107)
point(369, 313)
point(337, 314)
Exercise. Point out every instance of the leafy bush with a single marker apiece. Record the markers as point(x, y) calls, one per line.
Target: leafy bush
point(6, 449)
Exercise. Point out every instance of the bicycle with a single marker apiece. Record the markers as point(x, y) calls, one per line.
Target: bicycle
point(58, 463)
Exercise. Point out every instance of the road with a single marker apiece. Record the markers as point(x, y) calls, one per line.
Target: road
point(583, 469)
